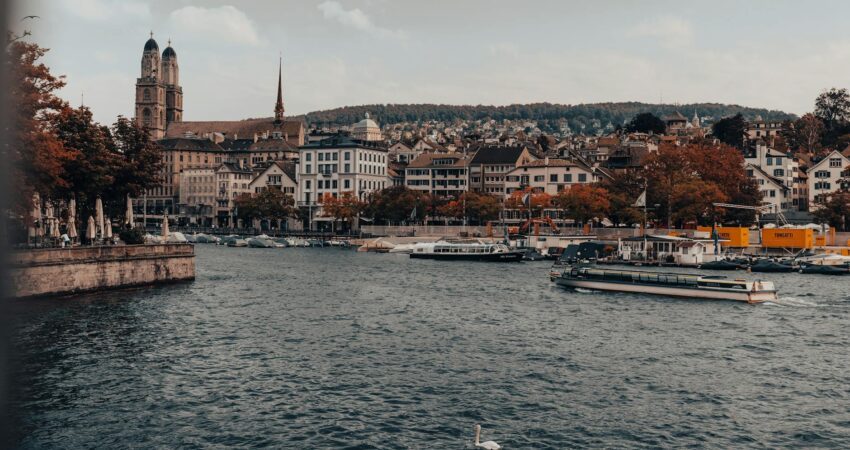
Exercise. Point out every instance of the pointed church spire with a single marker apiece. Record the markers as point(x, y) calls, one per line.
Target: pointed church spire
point(278, 107)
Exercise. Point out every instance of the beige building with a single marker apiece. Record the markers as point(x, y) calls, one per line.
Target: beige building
point(550, 176)
point(198, 195)
point(233, 181)
point(367, 130)
point(827, 176)
point(439, 174)
point(488, 167)
point(280, 175)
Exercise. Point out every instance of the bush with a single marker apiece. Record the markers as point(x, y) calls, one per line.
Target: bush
point(133, 235)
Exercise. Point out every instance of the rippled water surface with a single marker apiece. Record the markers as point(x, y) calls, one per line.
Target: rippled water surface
point(328, 348)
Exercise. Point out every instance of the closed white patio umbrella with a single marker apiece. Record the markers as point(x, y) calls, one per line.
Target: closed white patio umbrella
point(128, 215)
point(38, 231)
point(91, 231)
point(108, 230)
point(72, 219)
point(98, 210)
point(165, 227)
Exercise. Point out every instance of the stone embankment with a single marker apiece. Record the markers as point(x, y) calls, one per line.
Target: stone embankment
point(61, 271)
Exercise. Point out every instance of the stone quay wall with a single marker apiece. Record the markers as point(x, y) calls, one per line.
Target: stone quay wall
point(61, 271)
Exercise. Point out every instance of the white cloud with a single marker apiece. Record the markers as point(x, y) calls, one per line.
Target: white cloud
point(355, 18)
point(103, 10)
point(223, 22)
point(671, 31)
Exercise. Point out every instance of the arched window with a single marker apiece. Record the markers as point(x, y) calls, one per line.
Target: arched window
point(146, 117)
point(146, 96)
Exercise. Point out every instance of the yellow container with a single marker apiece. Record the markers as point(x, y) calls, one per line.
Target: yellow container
point(787, 238)
point(820, 241)
point(737, 236)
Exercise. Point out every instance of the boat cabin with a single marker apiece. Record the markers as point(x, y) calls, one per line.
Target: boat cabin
point(669, 249)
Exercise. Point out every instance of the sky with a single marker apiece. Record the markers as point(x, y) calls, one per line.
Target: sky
point(773, 54)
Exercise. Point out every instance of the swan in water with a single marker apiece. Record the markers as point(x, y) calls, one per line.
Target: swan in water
point(489, 445)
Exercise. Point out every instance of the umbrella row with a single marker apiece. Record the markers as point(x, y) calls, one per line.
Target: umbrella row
point(97, 226)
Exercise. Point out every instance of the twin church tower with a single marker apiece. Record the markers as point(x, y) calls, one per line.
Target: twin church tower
point(159, 97)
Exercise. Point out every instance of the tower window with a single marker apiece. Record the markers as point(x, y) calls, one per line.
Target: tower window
point(146, 117)
point(146, 96)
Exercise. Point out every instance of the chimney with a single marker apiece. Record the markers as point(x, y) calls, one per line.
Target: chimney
point(255, 137)
point(546, 161)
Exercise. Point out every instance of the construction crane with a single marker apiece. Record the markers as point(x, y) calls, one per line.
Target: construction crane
point(769, 207)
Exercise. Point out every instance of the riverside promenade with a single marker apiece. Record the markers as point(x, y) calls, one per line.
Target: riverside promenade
point(62, 271)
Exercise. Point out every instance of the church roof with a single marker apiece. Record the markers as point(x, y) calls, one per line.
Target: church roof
point(242, 128)
point(193, 144)
point(169, 52)
point(151, 45)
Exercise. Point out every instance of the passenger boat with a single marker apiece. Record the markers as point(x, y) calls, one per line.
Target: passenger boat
point(671, 284)
point(466, 252)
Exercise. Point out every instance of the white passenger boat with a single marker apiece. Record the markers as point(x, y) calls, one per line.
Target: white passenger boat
point(402, 248)
point(671, 284)
point(823, 259)
point(466, 252)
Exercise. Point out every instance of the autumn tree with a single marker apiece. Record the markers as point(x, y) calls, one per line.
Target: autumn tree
point(269, 204)
point(583, 202)
point(35, 154)
point(803, 134)
point(623, 191)
point(527, 200)
point(345, 207)
point(693, 201)
point(730, 130)
point(835, 211)
point(396, 204)
point(646, 123)
point(475, 207)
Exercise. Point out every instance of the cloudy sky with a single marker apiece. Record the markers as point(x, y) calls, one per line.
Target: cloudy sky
point(767, 53)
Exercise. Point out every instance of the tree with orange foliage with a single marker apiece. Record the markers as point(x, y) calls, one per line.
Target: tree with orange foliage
point(693, 201)
point(583, 202)
point(345, 207)
point(536, 202)
point(35, 154)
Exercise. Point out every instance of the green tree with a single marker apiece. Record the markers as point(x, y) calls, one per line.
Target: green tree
point(623, 191)
point(140, 162)
point(803, 134)
point(833, 108)
point(646, 123)
point(395, 204)
point(730, 130)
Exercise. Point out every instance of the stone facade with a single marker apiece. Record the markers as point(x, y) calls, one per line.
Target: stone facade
point(62, 271)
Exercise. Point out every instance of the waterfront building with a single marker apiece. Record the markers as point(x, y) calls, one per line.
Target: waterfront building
point(778, 173)
point(774, 191)
point(159, 97)
point(551, 176)
point(337, 165)
point(197, 200)
point(438, 174)
point(489, 164)
point(826, 176)
point(233, 181)
point(280, 175)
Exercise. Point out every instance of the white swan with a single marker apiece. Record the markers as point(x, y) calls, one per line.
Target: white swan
point(489, 445)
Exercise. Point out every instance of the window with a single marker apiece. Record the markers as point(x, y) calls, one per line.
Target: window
point(308, 168)
point(307, 184)
point(334, 184)
point(146, 117)
point(772, 193)
point(346, 183)
point(347, 167)
point(146, 96)
point(779, 173)
point(769, 161)
point(347, 156)
point(553, 178)
point(568, 178)
point(822, 174)
point(582, 177)
point(538, 178)
point(308, 157)
point(834, 162)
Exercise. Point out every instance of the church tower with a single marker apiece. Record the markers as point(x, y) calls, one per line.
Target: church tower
point(278, 106)
point(150, 92)
point(173, 92)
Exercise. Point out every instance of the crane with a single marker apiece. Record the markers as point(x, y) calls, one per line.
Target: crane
point(768, 207)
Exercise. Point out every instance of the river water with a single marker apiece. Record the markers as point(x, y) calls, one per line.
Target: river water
point(329, 348)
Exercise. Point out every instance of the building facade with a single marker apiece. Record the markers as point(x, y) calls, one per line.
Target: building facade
point(439, 174)
point(159, 97)
point(827, 176)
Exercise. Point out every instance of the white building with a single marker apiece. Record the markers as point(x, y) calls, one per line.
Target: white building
point(233, 181)
point(340, 164)
point(278, 175)
point(773, 190)
point(828, 175)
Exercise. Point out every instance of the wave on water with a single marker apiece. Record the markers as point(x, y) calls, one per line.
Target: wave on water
point(584, 291)
point(793, 301)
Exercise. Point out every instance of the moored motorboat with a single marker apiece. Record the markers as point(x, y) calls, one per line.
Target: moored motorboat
point(821, 269)
point(721, 264)
point(768, 266)
point(466, 252)
point(670, 284)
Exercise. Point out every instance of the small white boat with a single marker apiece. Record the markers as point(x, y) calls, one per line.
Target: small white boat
point(670, 284)
point(402, 248)
point(824, 259)
point(466, 252)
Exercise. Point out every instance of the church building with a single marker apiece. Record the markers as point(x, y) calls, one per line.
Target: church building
point(159, 97)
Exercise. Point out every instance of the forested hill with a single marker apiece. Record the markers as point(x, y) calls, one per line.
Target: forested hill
point(591, 116)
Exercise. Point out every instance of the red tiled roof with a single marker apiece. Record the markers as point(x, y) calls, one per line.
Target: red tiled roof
point(243, 128)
